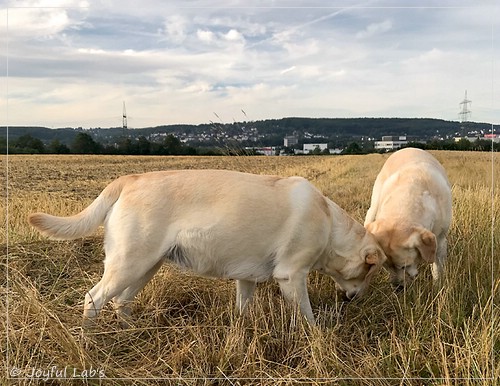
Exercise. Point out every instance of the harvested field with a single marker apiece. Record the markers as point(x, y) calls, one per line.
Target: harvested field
point(185, 329)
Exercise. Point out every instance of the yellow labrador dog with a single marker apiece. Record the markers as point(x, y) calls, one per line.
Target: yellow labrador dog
point(222, 224)
point(410, 213)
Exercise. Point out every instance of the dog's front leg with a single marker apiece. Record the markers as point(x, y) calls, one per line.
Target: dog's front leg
point(244, 293)
point(294, 290)
point(437, 266)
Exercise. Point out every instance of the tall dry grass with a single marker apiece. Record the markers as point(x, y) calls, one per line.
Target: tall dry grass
point(185, 330)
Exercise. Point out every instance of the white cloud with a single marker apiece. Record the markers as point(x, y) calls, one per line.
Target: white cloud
point(205, 36)
point(197, 88)
point(233, 35)
point(91, 51)
point(375, 29)
point(175, 28)
point(26, 22)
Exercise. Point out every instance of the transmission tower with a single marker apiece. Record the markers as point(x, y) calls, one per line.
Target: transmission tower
point(464, 113)
point(124, 121)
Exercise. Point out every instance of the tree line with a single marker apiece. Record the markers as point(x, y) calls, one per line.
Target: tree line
point(460, 145)
point(83, 143)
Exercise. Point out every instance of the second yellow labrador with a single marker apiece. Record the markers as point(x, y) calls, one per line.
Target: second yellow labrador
point(410, 213)
point(221, 224)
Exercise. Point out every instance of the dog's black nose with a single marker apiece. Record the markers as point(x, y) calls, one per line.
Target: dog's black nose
point(348, 296)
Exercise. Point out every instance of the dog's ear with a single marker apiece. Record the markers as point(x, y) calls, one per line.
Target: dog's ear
point(371, 258)
point(426, 245)
point(374, 257)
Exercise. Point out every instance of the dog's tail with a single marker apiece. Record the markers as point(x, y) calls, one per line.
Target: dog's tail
point(82, 224)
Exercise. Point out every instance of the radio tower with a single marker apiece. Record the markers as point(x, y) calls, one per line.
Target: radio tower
point(464, 113)
point(124, 121)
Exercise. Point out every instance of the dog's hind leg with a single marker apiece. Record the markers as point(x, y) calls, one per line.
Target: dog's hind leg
point(244, 293)
point(119, 272)
point(122, 302)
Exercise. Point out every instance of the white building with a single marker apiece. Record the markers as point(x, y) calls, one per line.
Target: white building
point(391, 142)
point(313, 146)
point(267, 150)
point(470, 139)
point(290, 140)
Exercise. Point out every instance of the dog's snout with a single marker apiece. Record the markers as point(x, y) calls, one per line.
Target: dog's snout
point(350, 295)
point(398, 287)
point(412, 273)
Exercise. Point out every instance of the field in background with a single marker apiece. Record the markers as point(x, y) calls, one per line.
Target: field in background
point(184, 326)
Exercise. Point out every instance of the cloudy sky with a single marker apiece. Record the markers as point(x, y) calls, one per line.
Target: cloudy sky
point(74, 62)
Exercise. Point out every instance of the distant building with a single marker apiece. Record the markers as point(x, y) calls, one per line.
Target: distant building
point(470, 139)
point(492, 137)
point(488, 137)
point(267, 150)
point(290, 140)
point(313, 146)
point(391, 142)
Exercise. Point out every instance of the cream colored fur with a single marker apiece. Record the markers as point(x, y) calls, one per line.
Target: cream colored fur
point(410, 213)
point(246, 227)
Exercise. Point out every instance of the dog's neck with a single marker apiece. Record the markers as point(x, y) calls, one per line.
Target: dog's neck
point(346, 231)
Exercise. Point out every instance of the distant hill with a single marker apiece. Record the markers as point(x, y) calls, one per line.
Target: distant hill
point(268, 132)
point(64, 135)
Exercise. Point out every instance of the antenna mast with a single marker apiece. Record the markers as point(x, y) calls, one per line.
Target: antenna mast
point(124, 121)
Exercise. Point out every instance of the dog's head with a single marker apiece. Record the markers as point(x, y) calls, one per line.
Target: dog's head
point(354, 273)
point(406, 245)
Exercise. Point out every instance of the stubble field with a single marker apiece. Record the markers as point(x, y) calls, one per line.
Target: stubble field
point(185, 330)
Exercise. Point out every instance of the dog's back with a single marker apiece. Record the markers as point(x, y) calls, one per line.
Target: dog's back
point(416, 159)
point(411, 184)
point(219, 223)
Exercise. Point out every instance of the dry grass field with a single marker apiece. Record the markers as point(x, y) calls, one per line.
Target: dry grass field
point(185, 329)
